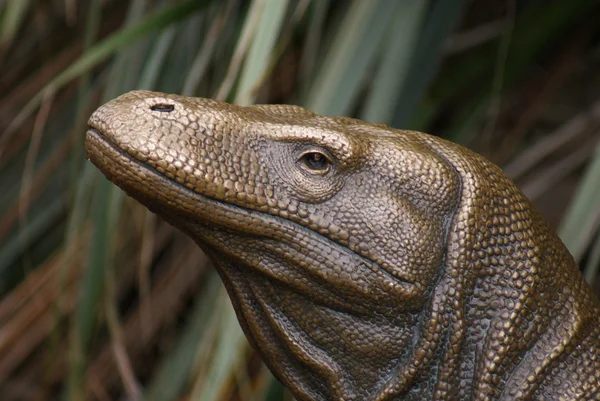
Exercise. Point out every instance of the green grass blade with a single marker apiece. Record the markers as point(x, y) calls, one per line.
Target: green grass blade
point(129, 60)
point(267, 31)
point(228, 354)
point(583, 215)
point(244, 38)
point(179, 59)
point(312, 45)
point(353, 50)
point(593, 265)
point(105, 49)
point(532, 32)
point(205, 53)
point(36, 226)
point(442, 18)
point(76, 217)
point(84, 91)
point(397, 55)
point(91, 291)
point(276, 391)
point(13, 18)
point(156, 60)
point(176, 369)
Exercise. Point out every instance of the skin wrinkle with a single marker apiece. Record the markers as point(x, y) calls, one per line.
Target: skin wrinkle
point(308, 354)
point(357, 310)
point(259, 335)
point(413, 269)
point(452, 364)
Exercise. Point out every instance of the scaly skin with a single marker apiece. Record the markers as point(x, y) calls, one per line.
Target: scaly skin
point(363, 262)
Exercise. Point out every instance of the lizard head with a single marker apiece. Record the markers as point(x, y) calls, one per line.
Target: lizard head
point(317, 225)
point(349, 250)
point(290, 177)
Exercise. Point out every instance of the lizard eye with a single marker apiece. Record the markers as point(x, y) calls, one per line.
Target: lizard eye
point(316, 162)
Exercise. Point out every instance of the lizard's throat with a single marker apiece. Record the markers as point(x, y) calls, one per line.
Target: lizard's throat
point(325, 353)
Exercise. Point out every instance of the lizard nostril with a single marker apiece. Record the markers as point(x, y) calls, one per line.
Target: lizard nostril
point(162, 107)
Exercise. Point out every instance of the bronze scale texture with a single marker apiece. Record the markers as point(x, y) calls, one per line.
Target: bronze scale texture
point(363, 262)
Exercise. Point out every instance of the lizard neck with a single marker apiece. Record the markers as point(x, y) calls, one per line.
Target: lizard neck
point(325, 350)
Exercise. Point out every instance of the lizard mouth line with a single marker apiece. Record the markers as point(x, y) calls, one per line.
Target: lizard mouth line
point(95, 135)
point(110, 146)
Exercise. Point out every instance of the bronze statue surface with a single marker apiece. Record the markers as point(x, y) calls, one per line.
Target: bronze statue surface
point(363, 262)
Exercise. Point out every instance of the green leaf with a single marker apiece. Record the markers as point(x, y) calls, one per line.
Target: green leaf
point(593, 265)
point(177, 367)
point(31, 232)
point(356, 44)
point(91, 290)
point(269, 24)
point(13, 18)
point(441, 21)
point(105, 49)
point(227, 356)
point(392, 73)
point(583, 214)
point(156, 60)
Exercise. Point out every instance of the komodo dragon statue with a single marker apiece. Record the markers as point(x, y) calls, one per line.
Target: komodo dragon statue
point(363, 262)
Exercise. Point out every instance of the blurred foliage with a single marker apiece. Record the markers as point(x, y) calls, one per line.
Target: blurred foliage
point(103, 301)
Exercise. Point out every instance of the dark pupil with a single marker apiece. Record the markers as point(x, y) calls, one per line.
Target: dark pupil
point(164, 108)
point(316, 161)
